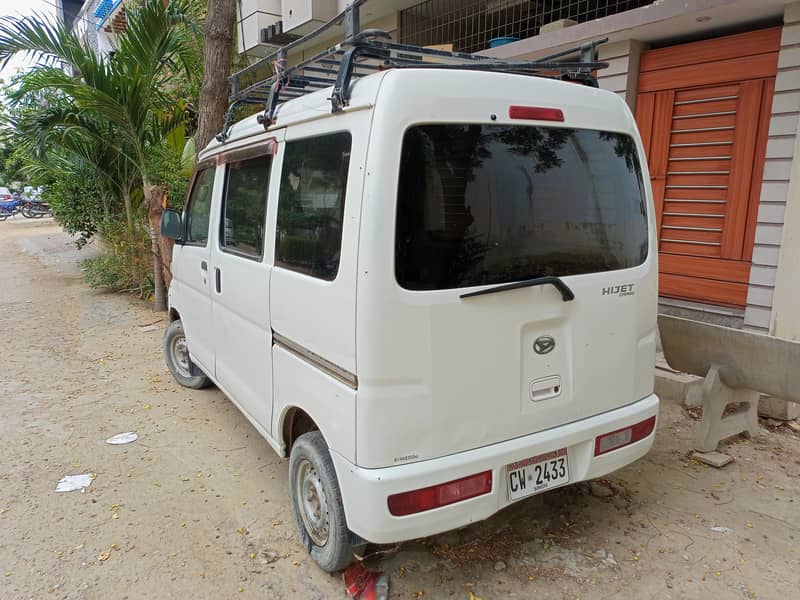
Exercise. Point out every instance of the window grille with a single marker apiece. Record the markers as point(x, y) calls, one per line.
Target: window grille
point(470, 24)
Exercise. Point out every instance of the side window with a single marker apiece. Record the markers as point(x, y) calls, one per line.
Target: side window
point(199, 208)
point(311, 205)
point(244, 207)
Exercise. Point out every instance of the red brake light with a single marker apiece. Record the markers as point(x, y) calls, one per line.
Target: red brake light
point(623, 437)
point(428, 498)
point(535, 113)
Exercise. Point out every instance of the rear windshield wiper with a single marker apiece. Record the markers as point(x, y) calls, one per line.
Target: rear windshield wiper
point(566, 293)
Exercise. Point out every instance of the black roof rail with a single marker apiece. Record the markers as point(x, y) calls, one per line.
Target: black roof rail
point(361, 53)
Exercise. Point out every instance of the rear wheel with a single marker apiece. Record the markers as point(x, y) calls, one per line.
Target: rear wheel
point(317, 504)
point(176, 355)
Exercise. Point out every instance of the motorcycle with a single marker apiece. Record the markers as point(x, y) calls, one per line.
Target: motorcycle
point(9, 208)
point(35, 209)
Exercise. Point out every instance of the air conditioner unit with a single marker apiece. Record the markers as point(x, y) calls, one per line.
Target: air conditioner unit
point(252, 17)
point(303, 16)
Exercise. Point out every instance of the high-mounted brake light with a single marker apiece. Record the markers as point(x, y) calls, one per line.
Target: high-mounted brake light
point(623, 437)
point(535, 113)
point(416, 501)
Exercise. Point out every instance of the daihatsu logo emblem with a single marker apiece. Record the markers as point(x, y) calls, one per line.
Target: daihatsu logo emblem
point(544, 344)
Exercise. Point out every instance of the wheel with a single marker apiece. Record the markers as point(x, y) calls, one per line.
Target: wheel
point(317, 504)
point(3, 215)
point(176, 355)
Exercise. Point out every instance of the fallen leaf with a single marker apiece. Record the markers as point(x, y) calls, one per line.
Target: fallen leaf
point(115, 516)
point(104, 556)
point(474, 597)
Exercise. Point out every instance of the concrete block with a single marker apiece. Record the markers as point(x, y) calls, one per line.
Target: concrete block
point(616, 66)
point(780, 147)
point(718, 421)
point(615, 83)
point(757, 318)
point(788, 57)
point(680, 388)
point(760, 296)
point(775, 408)
point(771, 213)
point(769, 233)
point(777, 169)
point(783, 124)
point(766, 255)
point(790, 35)
point(760, 275)
point(786, 102)
point(713, 459)
point(774, 191)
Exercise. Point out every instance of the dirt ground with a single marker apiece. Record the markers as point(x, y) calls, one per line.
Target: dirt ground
point(198, 506)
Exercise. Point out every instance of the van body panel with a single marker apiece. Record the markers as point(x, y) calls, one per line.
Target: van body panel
point(329, 402)
point(439, 374)
point(365, 490)
point(314, 313)
point(190, 291)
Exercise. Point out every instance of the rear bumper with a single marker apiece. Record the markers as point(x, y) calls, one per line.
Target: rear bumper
point(365, 491)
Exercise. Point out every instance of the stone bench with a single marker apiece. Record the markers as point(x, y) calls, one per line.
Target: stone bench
point(738, 366)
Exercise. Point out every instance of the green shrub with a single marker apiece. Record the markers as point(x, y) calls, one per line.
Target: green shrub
point(126, 265)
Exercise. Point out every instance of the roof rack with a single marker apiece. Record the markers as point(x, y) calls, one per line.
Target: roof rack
point(362, 53)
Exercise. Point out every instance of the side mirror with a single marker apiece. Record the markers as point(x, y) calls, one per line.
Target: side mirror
point(172, 224)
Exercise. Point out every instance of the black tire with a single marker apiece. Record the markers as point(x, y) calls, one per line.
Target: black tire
point(326, 536)
point(3, 216)
point(176, 355)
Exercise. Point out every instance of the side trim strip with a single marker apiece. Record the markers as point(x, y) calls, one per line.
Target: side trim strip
point(335, 371)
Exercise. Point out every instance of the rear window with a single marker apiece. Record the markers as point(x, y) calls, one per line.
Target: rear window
point(488, 204)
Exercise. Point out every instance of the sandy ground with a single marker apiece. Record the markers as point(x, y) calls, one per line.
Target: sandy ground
point(198, 507)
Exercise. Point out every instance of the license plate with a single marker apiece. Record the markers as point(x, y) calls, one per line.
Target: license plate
point(537, 474)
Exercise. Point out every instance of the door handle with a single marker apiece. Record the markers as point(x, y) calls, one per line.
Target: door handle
point(204, 265)
point(219, 281)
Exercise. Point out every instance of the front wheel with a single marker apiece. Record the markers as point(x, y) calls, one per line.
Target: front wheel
point(317, 504)
point(176, 355)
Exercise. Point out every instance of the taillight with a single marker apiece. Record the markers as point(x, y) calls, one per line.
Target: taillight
point(535, 113)
point(623, 437)
point(423, 499)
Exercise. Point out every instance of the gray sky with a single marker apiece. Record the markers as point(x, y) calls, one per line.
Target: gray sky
point(17, 8)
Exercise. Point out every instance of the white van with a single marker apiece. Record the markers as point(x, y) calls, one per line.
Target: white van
point(436, 301)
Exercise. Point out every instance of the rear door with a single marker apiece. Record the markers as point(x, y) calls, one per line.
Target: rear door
point(240, 278)
point(485, 208)
point(189, 289)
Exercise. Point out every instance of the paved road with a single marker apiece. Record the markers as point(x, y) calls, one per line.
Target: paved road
point(198, 506)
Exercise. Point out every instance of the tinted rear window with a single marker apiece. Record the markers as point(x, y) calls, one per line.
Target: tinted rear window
point(486, 204)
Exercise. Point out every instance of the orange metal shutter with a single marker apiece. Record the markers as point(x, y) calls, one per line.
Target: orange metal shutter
point(703, 111)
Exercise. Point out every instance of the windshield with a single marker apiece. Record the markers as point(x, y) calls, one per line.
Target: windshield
point(488, 204)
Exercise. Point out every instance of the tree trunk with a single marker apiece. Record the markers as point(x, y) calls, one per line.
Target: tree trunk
point(217, 60)
point(159, 248)
point(126, 199)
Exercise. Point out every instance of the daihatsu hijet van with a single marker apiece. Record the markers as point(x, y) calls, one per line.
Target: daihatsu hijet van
point(437, 301)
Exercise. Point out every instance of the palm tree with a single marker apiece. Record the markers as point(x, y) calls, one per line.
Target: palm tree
point(123, 102)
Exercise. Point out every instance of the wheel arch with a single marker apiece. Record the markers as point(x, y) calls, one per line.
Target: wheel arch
point(295, 422)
